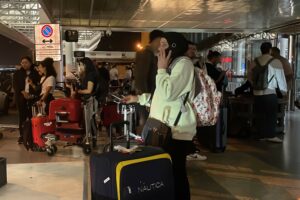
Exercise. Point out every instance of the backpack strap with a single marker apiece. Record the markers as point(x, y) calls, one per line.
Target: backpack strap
point(258, 64)
point(44, 80)
point(180, 112)
point(269, 61)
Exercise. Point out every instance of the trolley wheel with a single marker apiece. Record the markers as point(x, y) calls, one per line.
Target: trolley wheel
point(35, 147)
point(87, 149)
point(50, 151)
point(54, 148)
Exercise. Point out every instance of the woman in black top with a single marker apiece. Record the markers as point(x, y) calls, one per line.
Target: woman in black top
point(88, 77)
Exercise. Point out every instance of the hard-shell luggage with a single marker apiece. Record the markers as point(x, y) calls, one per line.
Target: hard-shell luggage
point(145, 175)
point(215, 137)
point(40, 127)
point(3, 172)
point(67, 109)
point(27, 134)
point(110, 114)
point(4, 103)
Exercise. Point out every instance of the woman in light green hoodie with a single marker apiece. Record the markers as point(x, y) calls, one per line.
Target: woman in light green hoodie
point(174, 80)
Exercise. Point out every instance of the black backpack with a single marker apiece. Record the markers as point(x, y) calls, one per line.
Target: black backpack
point(260, 75)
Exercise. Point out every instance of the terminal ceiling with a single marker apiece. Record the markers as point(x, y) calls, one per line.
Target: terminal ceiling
point(211, 16)
point(180, 15)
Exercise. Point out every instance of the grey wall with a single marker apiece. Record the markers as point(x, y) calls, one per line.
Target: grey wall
point(11, 51)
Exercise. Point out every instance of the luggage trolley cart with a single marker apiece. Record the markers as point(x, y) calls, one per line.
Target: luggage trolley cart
point(128, 112)
point(68, 115)
point(43, 131)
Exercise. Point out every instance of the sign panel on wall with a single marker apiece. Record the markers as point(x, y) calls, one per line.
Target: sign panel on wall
point(47, 41)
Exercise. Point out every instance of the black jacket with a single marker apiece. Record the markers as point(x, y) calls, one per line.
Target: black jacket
point(214, 73)
point(19, 81)
point(145, 71)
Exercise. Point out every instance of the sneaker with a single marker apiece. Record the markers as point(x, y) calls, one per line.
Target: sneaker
point(275, 140)
point(263, 139)
point(196, 156)
point(20, 140)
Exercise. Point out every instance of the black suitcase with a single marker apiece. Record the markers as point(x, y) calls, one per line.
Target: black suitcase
point(27, 134)
point(143, 175)
point(3, 175)
point(215, 137)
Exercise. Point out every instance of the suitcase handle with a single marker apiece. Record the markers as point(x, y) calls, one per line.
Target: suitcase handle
point(59, 114)
point(115, 124)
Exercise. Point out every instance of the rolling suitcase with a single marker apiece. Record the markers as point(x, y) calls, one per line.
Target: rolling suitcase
point(221, 131)
point(145, 175)
point(110, 114)
point(215, 137)
point(4, 103)
point(40, 127)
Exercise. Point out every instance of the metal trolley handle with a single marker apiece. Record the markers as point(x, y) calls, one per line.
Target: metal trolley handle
point(59, 115)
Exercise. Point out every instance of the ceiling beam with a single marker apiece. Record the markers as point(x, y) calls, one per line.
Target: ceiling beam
point(16, 36)
point(46, 10)
point(182, 30)
point(91, 12)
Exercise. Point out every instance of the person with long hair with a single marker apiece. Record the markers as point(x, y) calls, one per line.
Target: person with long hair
point(174, 81)
point(23, 90)
point(88, 89)
point(88, 77)
point(47, 84)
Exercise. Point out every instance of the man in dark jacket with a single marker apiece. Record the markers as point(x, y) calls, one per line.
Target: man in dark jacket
point(146, 64)
point(23, 90)
point(213, 58)
point(146, 69)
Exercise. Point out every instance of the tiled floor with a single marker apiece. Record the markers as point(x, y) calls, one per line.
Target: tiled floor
point(247, 170)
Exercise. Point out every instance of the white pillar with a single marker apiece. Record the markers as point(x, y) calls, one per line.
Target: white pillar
point(70, 66)
point(59, 68)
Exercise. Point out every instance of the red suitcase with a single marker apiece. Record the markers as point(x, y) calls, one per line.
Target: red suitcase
point(109, 114)
point(71, 108)
point(40, 126)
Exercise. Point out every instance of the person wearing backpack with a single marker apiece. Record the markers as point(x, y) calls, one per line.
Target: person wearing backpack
point(174, 82)
point(266, 74)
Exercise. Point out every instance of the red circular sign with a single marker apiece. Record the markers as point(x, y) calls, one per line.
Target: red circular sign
point(47, 31)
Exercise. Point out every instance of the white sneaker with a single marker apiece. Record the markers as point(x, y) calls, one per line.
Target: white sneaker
point(196, 156)
point(275, 140)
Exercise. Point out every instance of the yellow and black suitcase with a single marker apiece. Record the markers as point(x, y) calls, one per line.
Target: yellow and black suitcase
point(143, 175)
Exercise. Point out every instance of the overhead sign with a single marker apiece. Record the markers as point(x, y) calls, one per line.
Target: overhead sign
point(47, 30)
point(47, 41)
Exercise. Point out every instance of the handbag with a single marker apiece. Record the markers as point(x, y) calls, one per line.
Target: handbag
point(158, 133)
